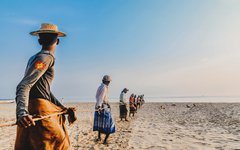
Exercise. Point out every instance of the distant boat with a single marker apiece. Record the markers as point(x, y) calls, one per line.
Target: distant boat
point(6, 101)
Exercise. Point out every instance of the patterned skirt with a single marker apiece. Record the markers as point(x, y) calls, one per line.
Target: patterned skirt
point(103, 122)
point(123, 111)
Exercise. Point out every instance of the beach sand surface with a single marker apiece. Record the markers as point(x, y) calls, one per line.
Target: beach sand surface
point(156, 126)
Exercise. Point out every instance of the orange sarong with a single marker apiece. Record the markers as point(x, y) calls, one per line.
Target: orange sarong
point(48, 134)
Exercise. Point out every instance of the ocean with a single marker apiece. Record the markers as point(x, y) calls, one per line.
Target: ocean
point(174, 99)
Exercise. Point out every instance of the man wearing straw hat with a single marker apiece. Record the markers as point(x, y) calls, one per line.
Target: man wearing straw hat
point(103, 121)
point(34, 99)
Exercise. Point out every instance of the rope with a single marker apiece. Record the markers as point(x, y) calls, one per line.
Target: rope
point(43, 117)
point(35, 119)
point(7, 125)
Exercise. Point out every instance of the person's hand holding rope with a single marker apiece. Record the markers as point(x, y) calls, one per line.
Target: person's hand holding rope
point(26, 121)
point(71, 115)
point(109, 106)
point(99, 110)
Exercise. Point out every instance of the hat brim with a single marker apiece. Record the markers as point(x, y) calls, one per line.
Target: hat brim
point(36, 33)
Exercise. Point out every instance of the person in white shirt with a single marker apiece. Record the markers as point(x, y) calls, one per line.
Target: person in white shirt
point(123, 104)
point(103, 122)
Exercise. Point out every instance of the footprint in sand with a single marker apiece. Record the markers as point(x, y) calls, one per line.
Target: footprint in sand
point(201, 143)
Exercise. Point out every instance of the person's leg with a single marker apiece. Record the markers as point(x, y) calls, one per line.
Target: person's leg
point(120, 109)
point(126, 118)
point(125, 113)
point(99, 136)
point(105, 140)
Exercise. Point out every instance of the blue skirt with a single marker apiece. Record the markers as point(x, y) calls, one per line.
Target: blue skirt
point(103, 122)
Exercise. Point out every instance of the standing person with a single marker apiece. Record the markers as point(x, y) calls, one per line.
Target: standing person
point(135, 102)
point(34, 98)
point(138, 101)
point(143, 101)
point(132, 107)
point(123, 104)
point(103, 122)
point(131, 98)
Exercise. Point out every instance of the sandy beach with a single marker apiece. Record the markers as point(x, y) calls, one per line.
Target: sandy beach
point(156, 126)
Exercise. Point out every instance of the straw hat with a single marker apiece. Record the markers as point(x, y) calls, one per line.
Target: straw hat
point(48, 28)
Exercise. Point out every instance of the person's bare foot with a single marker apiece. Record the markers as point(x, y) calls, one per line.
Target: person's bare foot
point(98, 140)
point(105, 142)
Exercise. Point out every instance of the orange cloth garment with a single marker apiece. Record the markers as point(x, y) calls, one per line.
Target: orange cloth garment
point(131, 99)
point(48, 134)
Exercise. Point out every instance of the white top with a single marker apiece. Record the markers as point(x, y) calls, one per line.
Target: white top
point(102, 95)
point(123, 99)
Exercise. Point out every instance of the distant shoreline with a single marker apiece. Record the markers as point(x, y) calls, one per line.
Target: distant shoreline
point(170, 102)
point(161, 99)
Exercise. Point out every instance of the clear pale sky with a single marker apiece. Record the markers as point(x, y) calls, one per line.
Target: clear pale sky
point(155, 47)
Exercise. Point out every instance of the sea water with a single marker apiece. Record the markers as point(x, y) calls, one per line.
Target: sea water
point(174, 99)
point(194, 99)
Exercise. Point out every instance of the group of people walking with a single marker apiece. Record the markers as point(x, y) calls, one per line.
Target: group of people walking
point(135, 102)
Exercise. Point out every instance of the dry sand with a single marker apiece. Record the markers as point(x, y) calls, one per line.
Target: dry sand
point(156, 126)
point(187, 127)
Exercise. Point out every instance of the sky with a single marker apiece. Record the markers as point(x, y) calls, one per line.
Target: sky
point(153, 47)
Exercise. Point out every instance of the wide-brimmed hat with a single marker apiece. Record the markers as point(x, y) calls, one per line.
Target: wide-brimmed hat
point(107, 78)
point(48, 28)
